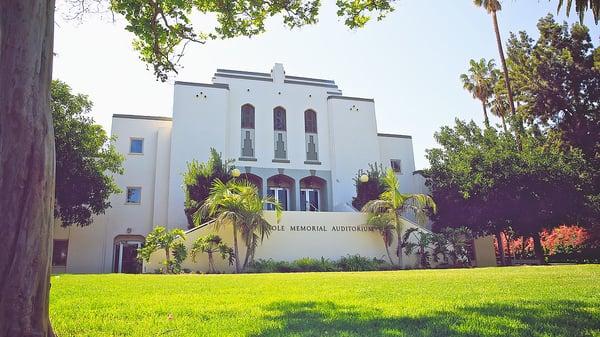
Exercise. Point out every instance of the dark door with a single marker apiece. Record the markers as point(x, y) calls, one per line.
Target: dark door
point(126, 258)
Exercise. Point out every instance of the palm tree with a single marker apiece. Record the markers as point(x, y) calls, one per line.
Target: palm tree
point(393, 204)
point(499, 105)
point(211, 244)
point(479, 83)
point(421, 243)
point(384, 225)
point(493, 6)
point(170, 242)
point(581, 6)
point(238, 204)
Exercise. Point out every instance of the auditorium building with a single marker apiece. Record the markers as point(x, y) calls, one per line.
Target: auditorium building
point(297, 138)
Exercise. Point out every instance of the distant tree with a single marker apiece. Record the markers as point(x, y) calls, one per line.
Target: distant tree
point(392, 204)
point(212, 244)
point(480, 83)
point(499, 105)
point(370, 190)
point(238, 204)
point(170, 242)
point(199, 178)
point(85, 159)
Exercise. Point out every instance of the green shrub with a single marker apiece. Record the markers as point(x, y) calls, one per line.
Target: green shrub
point(359, 263)
point(307, 264)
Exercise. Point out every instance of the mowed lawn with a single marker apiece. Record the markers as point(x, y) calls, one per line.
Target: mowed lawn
point(514, 301)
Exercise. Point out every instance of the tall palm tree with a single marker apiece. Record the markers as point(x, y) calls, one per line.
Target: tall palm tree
point(479, 83)
point(492, 7)
point(499, 105)
point(393, 204)
point(238, 204)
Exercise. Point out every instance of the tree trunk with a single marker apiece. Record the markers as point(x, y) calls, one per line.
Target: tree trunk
point(500, 248)
point(537, 247)
point(167, 261)
point(511, 100)
point(235, 250)
point(387, 250)
point(211, 263)
point(504, 124)
point(26, 166)
point(399, 243)
point(486, 120)
point(508, 252)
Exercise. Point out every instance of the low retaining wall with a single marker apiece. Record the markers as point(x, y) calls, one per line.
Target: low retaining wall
point(298, 234)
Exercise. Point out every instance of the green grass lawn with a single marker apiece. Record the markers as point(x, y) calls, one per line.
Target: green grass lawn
point(516, 301)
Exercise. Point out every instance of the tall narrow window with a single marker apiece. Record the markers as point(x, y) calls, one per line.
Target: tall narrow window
point(280, 133)
point(310, 136)
point(247, 131)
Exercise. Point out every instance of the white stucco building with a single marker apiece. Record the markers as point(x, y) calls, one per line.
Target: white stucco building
point(299, 139)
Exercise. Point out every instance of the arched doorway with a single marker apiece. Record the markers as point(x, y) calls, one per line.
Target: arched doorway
point(254, 180)
point(313, 194)
point(125, 254)
point(281, 187)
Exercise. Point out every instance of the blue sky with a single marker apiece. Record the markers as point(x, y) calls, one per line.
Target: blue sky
point(409, 62)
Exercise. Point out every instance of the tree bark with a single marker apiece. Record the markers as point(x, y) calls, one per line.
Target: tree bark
point(486, 120)
point(504, 124)
point(235, 250)
point(537, 247)
point(500, 248)
point(399, 243)
point(26, 166)
point(511, 100)
point(508, 250)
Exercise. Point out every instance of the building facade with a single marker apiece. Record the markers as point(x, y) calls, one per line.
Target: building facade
point(298, 139)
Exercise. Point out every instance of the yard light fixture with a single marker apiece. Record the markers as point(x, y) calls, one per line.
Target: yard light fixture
point(364, 178)
point(235, 173)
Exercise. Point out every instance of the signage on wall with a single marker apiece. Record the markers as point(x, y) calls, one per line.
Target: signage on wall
point(321, 228)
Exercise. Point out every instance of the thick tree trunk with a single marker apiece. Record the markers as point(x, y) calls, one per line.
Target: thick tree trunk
point(508, 251)
point(537, 247)
point(211, 263)
point(26, 166)
point(504, 124)
point(387, 250)
point(399, 243)
point(235, 250)
point(500, 248)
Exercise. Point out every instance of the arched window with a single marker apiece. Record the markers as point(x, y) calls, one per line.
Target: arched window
point(310, 121)
point(279, 119)
point(247, 116)
point(247, 135)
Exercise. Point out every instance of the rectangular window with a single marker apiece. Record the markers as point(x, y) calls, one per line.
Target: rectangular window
point(134, 195)
point(280, 195)
point(396, 165)
point(309, 200)
point(59, 253)
point(136, 146)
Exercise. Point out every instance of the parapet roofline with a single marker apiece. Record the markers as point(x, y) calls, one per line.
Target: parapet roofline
point(205, 85)
point(392, 135)
point(352, 98)
point(252, 75)
point(152, 118)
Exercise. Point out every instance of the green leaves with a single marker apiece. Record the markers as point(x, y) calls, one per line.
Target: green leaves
point(86, 159)
point(581, 7)
point(357, 13)
point(171, 242)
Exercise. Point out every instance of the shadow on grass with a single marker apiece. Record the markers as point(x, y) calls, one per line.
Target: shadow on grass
point(543, 318)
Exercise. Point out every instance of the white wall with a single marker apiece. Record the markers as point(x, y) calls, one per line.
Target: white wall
point(353, 144)
point(399, 147)
point(199, 123)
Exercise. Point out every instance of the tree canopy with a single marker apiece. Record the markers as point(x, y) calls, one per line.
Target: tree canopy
point(85, 159)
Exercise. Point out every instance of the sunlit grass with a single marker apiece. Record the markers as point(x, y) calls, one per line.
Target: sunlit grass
point(518, 301)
